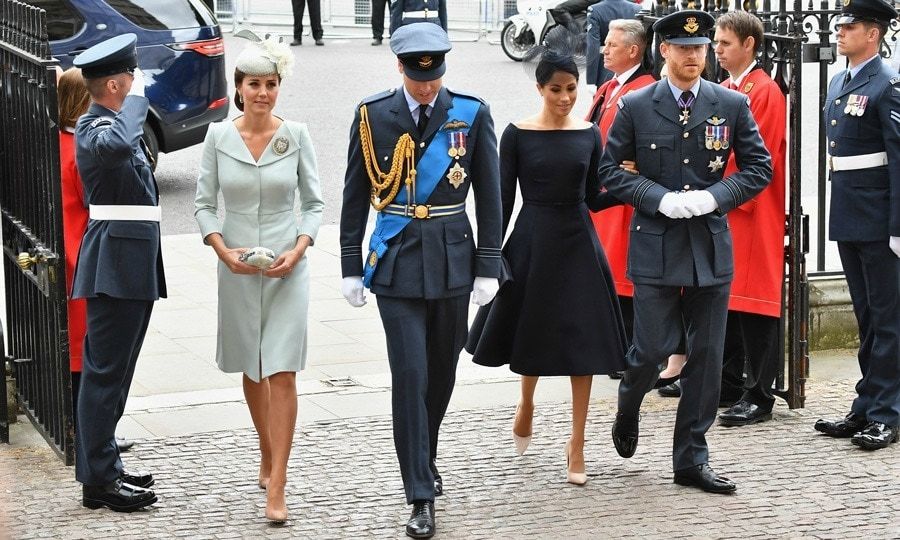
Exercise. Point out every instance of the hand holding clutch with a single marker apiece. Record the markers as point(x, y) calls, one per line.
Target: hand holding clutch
point(259, 257)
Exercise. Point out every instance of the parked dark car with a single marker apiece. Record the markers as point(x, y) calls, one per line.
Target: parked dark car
point(180, 50)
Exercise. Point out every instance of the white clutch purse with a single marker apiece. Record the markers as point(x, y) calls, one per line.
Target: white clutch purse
point(259, 257)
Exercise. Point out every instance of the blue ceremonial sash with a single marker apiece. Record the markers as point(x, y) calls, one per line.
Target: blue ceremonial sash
point(429, 171)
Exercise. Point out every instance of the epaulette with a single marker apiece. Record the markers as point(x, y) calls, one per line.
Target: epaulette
point(466, 94)
point(103, 121)
point(377, 97)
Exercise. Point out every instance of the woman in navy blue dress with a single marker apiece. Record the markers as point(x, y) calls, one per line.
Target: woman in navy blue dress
point(558, 314)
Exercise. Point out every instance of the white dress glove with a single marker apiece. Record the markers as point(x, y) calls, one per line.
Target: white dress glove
point(484, 289)
point(352, 288)
point(699, 202)
point(137, 85)
point(672, 205)
point(895, 245)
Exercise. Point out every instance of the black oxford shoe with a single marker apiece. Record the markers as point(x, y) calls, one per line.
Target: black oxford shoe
point(703, 477)
point(671, 390)
point(744, 413)
point(876, 436)
point(421, 522)
point(117, 496)
point(625, 432)
point(438, 481)
point(141, 480)
point(297, 43)
point(848, 427)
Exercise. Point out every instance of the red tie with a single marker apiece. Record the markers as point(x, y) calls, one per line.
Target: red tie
point(612, 87)
point(731, 85)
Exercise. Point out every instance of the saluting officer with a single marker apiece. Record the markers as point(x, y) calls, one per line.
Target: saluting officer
point(119, 269)
point(413, 11)
point(414, 153)
point(681, 131)
point(862, 119)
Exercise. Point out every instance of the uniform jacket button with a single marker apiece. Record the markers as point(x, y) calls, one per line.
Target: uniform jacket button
point(831, 144)
point(637, 228)
point(837, 102)
point(653, 146)
point(834, 122)
point(687, 186)
point(686, 161)
point(686, 134)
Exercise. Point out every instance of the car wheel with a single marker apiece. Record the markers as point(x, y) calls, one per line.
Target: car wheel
point(152, 145)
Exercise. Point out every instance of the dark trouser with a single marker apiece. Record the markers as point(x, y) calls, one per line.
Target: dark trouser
point(751, 342)
point(315, 18)
point(378, 18)
point(115, 333)
point(873, 277)
point(424, 338)
point(626, 305)
point(658, 315)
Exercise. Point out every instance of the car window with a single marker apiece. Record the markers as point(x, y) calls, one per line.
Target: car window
point(63, 22)
point(159, 14)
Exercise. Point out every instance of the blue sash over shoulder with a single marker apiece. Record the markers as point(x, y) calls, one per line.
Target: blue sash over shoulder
point(429, 171)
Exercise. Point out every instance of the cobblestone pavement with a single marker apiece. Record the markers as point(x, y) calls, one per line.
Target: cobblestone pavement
point(344, 483)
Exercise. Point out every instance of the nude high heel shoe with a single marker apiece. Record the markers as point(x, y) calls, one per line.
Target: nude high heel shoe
point(577, 478)
point(276, 516)
point(521, 442)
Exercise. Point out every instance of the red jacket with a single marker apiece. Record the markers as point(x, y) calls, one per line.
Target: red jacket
point(613, 223)
point(75, 219)
point(757, 227)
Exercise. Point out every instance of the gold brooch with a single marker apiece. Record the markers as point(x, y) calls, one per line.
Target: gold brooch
point(280, 146)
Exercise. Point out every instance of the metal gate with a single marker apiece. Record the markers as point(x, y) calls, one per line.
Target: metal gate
point(30, 202)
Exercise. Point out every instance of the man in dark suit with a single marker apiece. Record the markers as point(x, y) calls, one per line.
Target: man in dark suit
point(414, 153)
point(378, 20)
point(680, 131)
point(598, 19)
point(862, 123)
point(119, 269)
point(315, 21)
point(412, 11)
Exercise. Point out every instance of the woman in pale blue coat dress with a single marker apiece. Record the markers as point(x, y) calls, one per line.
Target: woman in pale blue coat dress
point(258, 162)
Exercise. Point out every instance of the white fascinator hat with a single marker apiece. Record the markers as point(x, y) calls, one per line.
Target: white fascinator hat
point(264, 56)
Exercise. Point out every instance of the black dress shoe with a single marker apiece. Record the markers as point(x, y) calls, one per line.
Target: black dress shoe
point(124, 444)
point(625, 432)
point(438, 481)
point(876, 436)
point(421, 522)
point(376, 42)
point(296, 42)
point(672, 390)
point(117, 496)
point(744, 413)
point(703, 477)
point(141, 480)
point(320, 42)
point(666, 381)
point(616, 375)
point(848, 427)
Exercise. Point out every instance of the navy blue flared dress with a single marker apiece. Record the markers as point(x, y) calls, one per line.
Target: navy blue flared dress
point(558, 314)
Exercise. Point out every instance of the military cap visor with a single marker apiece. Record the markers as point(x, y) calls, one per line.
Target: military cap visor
point(878, 11)
point(109, 57)
point(687, 27)
point(421, 47)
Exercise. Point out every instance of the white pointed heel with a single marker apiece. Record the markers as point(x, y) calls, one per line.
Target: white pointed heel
point(577, 478)
point(521, 442)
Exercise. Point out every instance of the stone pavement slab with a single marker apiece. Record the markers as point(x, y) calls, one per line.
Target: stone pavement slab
point(344, 482)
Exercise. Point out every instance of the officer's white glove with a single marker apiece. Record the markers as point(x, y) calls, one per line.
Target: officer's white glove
point(137, 85)
point(895, 245)
point(699, 202)
point(484, 289)
point(672, 205)
point(352, 288)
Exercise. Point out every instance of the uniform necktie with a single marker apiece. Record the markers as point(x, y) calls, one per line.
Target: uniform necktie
point(684, 103)
point(423, 118)
point(847, 78)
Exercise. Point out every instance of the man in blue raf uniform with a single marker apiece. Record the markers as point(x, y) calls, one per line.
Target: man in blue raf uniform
point(680, 131)
point(862, 123)
point(119, 269)
point(414, 153)
point(413, 11)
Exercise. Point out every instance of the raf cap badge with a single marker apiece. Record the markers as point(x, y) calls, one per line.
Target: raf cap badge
point(691, 25)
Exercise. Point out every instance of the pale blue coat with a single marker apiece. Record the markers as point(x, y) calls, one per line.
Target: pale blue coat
point(262, 320)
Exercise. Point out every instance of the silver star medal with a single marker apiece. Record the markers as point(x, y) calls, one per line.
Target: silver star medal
point(715, 165)
point(684, 117)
